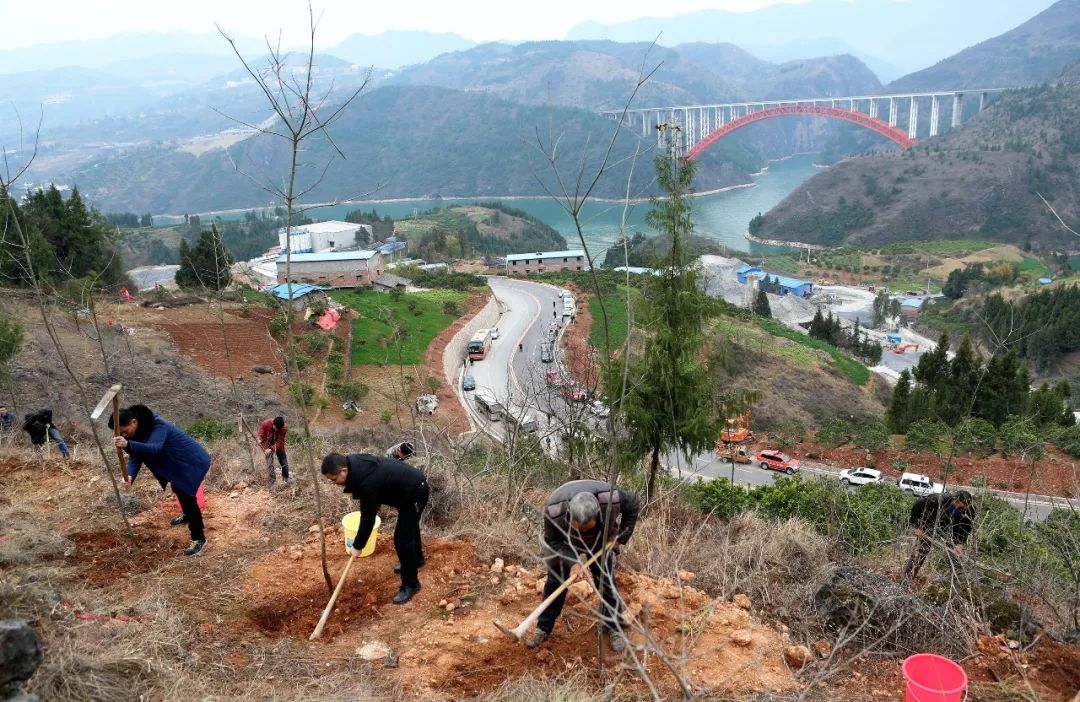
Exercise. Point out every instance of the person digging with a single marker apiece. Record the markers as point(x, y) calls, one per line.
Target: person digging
point(944, 518)
point(376, 481)
point(173, 457)
point(575, 528)
point(272, 441)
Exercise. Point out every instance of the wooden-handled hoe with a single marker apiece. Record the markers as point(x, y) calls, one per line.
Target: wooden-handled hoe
point(523, 627)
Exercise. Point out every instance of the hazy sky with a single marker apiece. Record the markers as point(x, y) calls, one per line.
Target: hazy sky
point(27, 23)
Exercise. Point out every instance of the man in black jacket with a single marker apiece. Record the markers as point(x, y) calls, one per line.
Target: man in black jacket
point(377, 481)
point(947, 518)
point(581, 517)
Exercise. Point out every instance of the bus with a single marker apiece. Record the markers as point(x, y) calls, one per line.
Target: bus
point(489, 406)
point(479, 344)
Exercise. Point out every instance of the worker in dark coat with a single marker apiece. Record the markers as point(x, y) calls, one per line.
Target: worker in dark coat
point(376, 481)
point(580, 518)
point(40, 427)
point(173, 457)
point(945, 518)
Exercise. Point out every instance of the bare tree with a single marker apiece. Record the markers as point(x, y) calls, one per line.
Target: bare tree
point(300, 115)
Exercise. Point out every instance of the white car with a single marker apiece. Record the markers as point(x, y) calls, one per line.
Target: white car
point(494, 333)
point(860, 476)
point(920, 485)
point(599, 409)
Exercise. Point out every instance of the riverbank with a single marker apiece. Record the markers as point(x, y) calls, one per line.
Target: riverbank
point(782, 244)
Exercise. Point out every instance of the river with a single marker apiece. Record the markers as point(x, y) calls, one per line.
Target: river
point(723, 216)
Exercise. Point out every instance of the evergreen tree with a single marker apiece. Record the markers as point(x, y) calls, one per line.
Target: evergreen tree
point(761, 305)
point(901, 399)
point(957, 394)
point(13, 265)
point(205, 265)
point(669, 405)
point(934, 366)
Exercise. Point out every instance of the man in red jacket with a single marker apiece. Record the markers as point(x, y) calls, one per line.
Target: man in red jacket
point(272, 440)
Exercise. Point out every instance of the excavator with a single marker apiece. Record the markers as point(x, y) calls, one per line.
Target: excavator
point(737, 431)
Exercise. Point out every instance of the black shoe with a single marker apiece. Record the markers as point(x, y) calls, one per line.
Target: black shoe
point(195, 548)
point(177, 521)
point(397, 568)
point(406, 593)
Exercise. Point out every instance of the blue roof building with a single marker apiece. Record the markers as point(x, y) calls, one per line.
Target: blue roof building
point(282, 292)
point(744, 274)
point(794, 286)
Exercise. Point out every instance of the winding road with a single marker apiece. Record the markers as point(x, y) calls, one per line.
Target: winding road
point(516, 378)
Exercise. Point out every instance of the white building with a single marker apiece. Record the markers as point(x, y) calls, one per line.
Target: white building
point(334, 269)
point(323, 236)
point(541, 261)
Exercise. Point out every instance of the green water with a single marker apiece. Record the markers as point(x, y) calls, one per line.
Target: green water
point(722, 216)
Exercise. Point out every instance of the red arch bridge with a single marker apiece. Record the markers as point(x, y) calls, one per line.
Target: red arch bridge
point(701, 126)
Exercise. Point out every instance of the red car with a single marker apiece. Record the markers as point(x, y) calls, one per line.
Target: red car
point(575, 394)
point(775, 460)
point(553, 378)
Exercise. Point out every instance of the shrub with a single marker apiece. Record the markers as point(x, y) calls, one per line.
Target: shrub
point(385, 416)
point(719, 497)
point(925, 435)
point(834, 433)
point(316, 341)
point(1068, 440)
point(898, 463)
point(432, 384)
point(976, 434)
point(450, 307)
point(301, 392)
point(209, 429)
point(1020, 437)
point(348, 391)
point(872, 435)
point(349, 413)
point(297, 359)
point(278, 324)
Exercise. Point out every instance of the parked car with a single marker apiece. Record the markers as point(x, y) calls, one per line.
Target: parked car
point(553, 378)
point(860, 476)
point(775, 460)
point(599, 409)
point(494, 333)
point(920, 485)
point(546, 356)
point(575, 394)
point(468, 382)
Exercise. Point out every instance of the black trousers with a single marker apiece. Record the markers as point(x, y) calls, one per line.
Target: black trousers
point(410, 550)
point(190, 507)
point(603, 576)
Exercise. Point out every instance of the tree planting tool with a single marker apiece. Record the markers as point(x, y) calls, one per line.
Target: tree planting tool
point(333, 598)
point(523, 627)
point(112, 395)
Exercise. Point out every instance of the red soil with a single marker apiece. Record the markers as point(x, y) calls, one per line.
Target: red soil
point(248, 342)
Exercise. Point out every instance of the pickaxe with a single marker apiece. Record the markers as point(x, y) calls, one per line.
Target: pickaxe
point(113, 395)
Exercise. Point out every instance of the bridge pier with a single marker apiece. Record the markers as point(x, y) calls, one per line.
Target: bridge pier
point(935, 112)
point(873, 108)
point(982, 101)
point(913, 118)
point(957, 109)
point(892, 112)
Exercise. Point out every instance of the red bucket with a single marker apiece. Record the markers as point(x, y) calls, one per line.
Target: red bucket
point(200, 498)
point(932, 678)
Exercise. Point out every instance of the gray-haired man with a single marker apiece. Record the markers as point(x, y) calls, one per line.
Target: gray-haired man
point(579, 518)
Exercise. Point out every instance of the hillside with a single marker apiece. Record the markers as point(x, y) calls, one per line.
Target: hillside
point(429, 142)
point(1036, 51)
point(977, 182)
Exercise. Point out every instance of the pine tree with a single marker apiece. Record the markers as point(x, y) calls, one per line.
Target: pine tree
point(957, 394)
point(901, 399)
point(761, 305)
point(669, 404)
point(205, 265)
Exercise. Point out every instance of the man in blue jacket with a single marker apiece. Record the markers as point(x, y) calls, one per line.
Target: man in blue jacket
point(376, 481)
point(173, 457)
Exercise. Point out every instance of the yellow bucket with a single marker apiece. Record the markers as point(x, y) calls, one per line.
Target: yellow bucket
point(350, 523)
